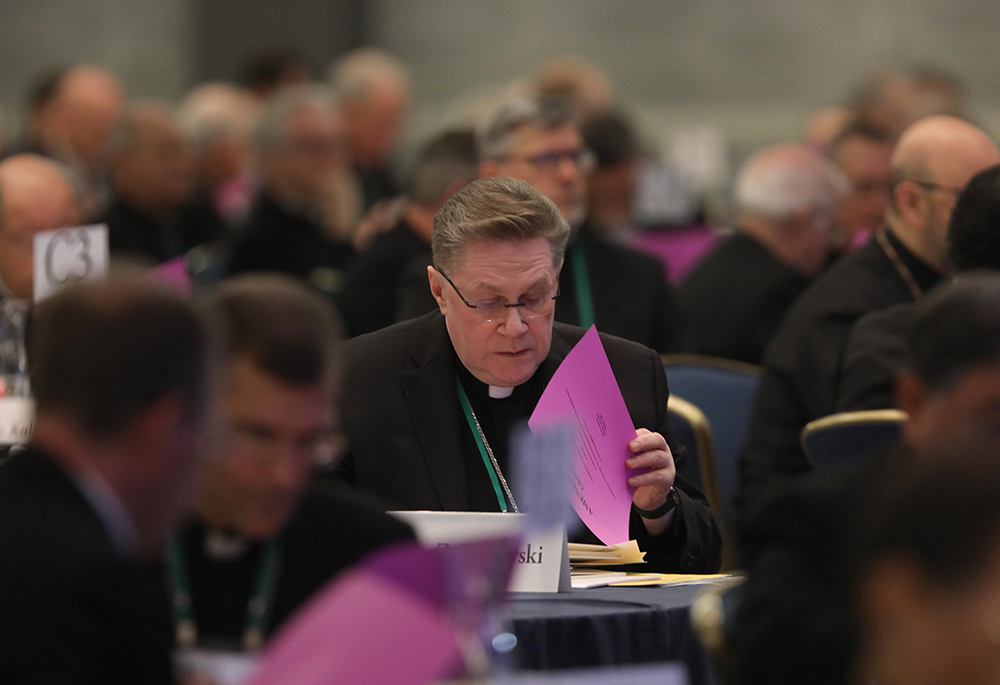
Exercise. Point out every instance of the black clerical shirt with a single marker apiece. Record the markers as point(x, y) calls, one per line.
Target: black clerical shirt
point(329, 532)
point(802, 364)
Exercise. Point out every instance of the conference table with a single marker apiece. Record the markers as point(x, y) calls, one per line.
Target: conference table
point(608, 626)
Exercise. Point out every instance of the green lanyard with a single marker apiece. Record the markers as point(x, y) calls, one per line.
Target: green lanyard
point(584, 298)
point(489, 460)
point(257, 607)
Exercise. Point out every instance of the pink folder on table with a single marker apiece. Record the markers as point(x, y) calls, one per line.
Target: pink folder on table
point(364, 628)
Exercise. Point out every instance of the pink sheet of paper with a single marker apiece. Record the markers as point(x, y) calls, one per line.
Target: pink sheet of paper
point(584, 393)
point(173, 273)
point(362, 629)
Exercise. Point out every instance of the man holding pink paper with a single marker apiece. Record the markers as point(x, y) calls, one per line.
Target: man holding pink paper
point(429, 402)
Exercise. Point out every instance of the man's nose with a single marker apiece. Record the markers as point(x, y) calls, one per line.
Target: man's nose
point(513, 321)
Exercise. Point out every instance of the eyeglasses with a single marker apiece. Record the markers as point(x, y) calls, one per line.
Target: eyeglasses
point(547, 162)
point(531, 305)
point(934, 186)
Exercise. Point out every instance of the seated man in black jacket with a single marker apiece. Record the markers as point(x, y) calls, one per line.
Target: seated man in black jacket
point(736, 298)
point(306, 191)
point(492, 347)
point(797, 622)
point(876, 348)
point(257, 517)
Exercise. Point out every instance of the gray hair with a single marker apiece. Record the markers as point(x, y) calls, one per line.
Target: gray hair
point(214, 111)
point(354, 74)
point(496, 209)
point(495, 136)
point(447, 160)
point(271, 131)
point(782, 180)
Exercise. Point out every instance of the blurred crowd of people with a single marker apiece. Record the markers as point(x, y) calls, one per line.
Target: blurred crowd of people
point(836, 273)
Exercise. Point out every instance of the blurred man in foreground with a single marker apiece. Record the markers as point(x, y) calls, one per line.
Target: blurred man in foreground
point(119, 379)
point(35, 195)
point(257, 517)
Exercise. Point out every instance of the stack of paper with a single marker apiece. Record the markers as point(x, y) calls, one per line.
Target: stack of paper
point(581, 555)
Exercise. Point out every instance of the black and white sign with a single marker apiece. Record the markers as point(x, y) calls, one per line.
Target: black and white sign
point(69, 255)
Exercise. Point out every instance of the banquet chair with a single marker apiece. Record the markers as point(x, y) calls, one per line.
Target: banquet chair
point(840, 439)
point(724, 390)
point(712, 617)
point(693, 436)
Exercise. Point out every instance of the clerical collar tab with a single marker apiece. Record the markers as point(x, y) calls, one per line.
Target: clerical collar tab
point(499, 393)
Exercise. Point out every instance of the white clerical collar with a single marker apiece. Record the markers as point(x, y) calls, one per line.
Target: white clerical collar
point(109, 509)
point(498, 393)
point(224, 546)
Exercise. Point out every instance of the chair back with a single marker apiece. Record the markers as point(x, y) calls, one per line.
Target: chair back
point(713, 614)
point(724, 390)
point(839, 439)
point(693, 435)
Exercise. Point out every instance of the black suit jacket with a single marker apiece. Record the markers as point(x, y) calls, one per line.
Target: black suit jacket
point(405, 425)
point(874, 354)
point(802, 363)
point(72, 609)
point(370, 298)
point(274, 239)
point(736, 298)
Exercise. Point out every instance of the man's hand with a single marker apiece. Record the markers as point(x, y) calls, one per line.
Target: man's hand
point(650, 451)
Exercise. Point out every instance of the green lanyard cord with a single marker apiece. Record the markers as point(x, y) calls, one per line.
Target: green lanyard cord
point(584, 298)
point(474, 426)
point(257, 607)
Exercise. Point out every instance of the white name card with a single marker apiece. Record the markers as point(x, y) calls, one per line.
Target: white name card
point(17, 418)
point(68, 255)
point(542, 563)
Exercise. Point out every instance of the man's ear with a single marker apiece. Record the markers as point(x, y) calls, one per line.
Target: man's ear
point(910, 202)
point(436, 283)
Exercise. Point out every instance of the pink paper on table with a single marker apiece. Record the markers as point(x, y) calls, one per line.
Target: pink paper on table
point(361, 629)
point(584, 393)
point(173, 273)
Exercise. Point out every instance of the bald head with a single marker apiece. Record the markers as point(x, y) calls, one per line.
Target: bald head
point(933, 160)
point(35, 196)
point(86, 106)
point(150, 162)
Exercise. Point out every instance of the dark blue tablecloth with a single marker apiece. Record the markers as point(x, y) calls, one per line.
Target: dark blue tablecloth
point(608, 626)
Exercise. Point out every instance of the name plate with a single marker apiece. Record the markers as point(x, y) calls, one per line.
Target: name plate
point(542, 563)
point(68, 255)
point(17, 418)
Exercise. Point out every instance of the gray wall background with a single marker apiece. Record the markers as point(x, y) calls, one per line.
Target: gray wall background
point(752, 68)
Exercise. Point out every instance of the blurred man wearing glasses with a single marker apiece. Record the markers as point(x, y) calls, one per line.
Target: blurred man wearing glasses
point(623, 291)
point(425, 393)
point(264, 540)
